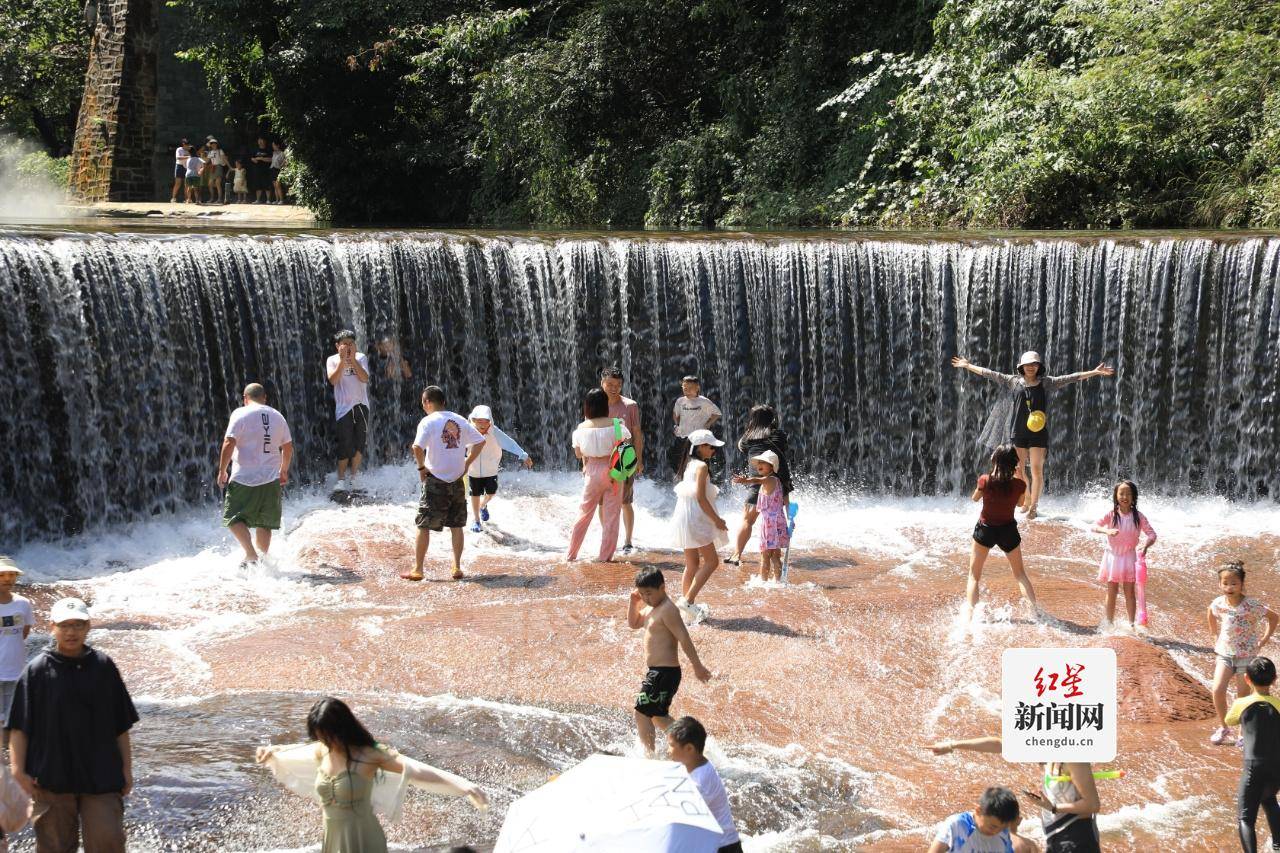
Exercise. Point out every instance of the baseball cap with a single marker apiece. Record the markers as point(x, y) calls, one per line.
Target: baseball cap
point(8, 565)
point(484, 413)
point(767, 456)
point(703, 436)
point(68, 609)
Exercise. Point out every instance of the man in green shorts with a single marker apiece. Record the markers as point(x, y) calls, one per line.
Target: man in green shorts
point(259, 439)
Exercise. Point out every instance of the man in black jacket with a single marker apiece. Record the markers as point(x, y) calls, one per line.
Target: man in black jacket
point(69, 740)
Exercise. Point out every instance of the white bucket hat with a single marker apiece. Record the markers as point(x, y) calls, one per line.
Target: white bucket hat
point(767, 456)
point(1030, 357)
point(68, 609)
point(8, 565)
point(703, 436)
point(483, 413)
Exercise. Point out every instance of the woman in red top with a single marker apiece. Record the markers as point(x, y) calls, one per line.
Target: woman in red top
point(999, 492)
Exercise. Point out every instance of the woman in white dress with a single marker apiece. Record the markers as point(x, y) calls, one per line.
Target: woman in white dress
point(699, 530)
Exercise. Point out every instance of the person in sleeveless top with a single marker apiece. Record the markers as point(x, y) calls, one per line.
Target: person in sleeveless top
point(697, 527)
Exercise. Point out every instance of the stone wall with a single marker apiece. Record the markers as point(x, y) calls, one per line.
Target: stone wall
point(113, 154)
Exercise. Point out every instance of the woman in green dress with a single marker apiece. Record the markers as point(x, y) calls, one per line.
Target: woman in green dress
point(350, 766)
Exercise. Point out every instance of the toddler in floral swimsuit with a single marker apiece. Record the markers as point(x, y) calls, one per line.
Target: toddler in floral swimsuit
point(772, 506)
point(1242, 625)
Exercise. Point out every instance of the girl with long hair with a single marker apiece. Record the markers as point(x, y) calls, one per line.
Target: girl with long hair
point(351, 776)
point(698, 529)
point(999, 492)
point(1123, 526)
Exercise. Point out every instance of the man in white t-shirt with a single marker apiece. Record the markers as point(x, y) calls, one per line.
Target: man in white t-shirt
point(348, 372)
point(258, 438)
point(16, 619)
point(440, 449)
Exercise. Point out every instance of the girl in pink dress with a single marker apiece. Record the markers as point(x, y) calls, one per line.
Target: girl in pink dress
point(772, 507)
point(1124, 525)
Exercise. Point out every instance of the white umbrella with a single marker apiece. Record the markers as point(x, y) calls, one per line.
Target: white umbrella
point(622, 805)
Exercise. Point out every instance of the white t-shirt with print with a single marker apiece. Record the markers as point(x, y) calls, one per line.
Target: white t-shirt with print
point(445, 436)
point(350, 391)
point(15, 618)
point(260, 432)
point(951, 832)
point(694, 414)
point(717, 799)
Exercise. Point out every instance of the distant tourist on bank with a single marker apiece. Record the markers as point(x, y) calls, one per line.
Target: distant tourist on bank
point(216, 170)
point(195, 165)
point(348, 373)
point(627, 411)
point(278, 160)
point(69, 739)
point(259, 172)
point(760, 434)
point(692, 411)
point(180, 156)
point(240, 182)
point(258, 439)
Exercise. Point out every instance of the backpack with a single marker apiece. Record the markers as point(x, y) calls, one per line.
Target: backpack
point(624, 460)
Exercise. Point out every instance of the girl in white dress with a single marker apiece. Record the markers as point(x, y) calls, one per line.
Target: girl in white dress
point(699, 530)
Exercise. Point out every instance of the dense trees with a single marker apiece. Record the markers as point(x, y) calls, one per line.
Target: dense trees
point(688, 113)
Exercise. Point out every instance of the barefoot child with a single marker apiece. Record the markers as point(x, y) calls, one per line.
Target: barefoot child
point(686, 738)
point(999, 492)
point(773, 513)
point(1235, 620)
point(651, 609)
point(1259, 717)
point(698, 528)
point(1123, 525)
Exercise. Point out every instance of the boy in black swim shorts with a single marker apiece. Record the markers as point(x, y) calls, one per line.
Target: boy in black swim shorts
point(664, 634)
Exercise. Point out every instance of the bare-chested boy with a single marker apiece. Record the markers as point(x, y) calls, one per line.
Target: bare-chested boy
point(663, 630)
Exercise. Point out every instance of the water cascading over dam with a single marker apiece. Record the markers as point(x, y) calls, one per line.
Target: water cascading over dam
point(123, 354)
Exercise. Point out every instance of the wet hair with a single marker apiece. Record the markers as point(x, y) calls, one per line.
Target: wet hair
point(1261, 671)
point(331, 722)
point(1000, 803)
point(1236, 567)
point(687, 730)
point(1115, 502)
point(595, 404)
point(650, 578)
point(1004, 463)
point(611, 372)
point(255, 392)
point(762, 420)
point(342, 335)
point(434, 395)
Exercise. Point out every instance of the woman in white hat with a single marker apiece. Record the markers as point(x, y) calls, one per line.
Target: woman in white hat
point(1020, 417)
point(483, 474)
point(699, 530)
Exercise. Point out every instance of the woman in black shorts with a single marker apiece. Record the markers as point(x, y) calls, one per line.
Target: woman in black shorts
point(1021, 416)
point(761, 434)
point(999, 492)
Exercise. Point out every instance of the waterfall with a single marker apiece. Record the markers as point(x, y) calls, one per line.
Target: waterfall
point(122, 355)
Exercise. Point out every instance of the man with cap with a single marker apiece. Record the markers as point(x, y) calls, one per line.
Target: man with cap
point(69, 740)
point(348, 372)
point(16, 619)
point(483, 474)
point(691, 412)
point(1020, 416)
point(258, 438)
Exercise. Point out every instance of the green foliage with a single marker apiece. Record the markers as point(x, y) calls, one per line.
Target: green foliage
point(44, 51)
point(1075, 113)
point(37, 170)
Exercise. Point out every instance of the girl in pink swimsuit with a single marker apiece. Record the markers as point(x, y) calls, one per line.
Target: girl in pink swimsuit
point(1124, 525)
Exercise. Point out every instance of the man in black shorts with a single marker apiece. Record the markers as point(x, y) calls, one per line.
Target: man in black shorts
point(441, 451)
point(348, 373)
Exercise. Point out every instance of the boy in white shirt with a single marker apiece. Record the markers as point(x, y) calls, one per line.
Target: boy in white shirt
point(986, 829)
point(691, 412)
point(16, 619)
point(258, 440)
point(686, 738)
